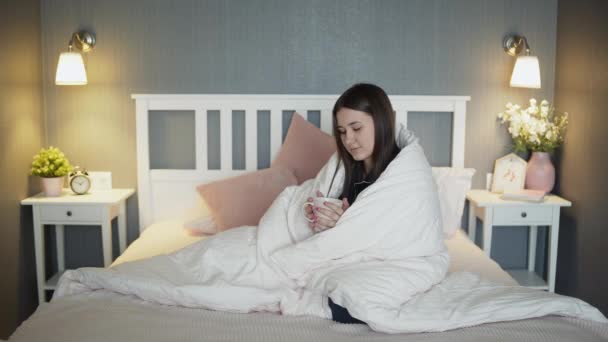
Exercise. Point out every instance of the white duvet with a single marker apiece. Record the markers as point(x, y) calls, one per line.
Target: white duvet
point(385, 261)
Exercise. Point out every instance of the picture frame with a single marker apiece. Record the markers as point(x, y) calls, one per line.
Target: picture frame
point(100, 180)
point(509, 174)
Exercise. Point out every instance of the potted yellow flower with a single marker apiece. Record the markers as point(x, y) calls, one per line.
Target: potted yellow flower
point(52, 166)
point(539, 130)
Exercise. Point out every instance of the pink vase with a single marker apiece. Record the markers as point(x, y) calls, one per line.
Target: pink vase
point(540, 174)
point(52, 186)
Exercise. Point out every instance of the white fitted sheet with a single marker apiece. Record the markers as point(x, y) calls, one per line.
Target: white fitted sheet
point(168, 236)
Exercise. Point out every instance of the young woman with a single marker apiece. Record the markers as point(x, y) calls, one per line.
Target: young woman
point(364, 128)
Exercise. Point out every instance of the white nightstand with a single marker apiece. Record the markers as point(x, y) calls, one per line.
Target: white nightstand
point(97, 208)
point(496, 212)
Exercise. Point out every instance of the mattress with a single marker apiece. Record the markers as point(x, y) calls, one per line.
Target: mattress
point(103, 316)
point(107, 316)
point(168, 236)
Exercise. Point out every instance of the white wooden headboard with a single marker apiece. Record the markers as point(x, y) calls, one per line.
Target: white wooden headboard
point(164, 193)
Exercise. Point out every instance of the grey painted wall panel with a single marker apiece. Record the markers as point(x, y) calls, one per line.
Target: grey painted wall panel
point(286, 116)
point(510, 245)
point(238, 140)
point(314, 117)
point(434, 131)
point(263, 131)
point(172, 140)
point(317, 47)
point(213, 140)
point(581, 89)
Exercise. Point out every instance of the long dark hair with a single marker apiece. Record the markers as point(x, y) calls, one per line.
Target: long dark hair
point(371, 99)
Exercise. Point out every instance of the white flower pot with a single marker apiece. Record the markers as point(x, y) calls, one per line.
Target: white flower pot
point(52, 186)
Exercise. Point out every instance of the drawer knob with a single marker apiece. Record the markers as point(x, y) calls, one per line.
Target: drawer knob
point(523, 214)
point(69, 213)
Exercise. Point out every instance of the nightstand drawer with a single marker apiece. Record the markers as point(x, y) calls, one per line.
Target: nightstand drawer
point(524, 215)
point(67, 213)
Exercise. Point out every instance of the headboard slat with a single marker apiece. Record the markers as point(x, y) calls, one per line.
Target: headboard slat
point(200, 118)
point(327, 121)
point(226, 139)
point(458, 134)
point(251, 139)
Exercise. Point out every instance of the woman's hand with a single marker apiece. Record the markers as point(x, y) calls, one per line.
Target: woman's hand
point(310, 215)
point(325, 218)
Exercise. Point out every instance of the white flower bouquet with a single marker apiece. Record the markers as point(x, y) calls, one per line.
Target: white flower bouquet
point(537, 129)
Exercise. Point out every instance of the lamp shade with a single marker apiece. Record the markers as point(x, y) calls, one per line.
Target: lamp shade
point(526, 73)
point(70, 69)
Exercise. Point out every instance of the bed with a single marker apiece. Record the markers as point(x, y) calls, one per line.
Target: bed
point(104, 316)
point(166, 196)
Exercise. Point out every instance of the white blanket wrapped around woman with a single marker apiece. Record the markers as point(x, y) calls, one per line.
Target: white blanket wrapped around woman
point(385, 261)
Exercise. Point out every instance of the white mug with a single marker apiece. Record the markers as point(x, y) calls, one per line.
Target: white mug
point(318, 202)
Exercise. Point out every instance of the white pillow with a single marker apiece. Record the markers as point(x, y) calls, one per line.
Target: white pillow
point(201, 226)
point(452, 186)
point(198, 220)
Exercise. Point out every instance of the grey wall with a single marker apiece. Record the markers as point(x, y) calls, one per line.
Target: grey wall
point(430, 47)
point(21, 136)
point(581, 90)
point(408, 47)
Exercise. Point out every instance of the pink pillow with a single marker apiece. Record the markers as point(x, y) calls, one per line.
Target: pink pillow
point(242, 200)
point(305, 150)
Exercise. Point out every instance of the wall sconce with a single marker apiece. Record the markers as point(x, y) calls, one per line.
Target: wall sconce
point(526, 72)
point(70, 68)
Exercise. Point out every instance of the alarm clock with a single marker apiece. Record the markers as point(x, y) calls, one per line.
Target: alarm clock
point(80, 183)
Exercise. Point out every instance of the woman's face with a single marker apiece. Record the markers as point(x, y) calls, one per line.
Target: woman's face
point(356, 131)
